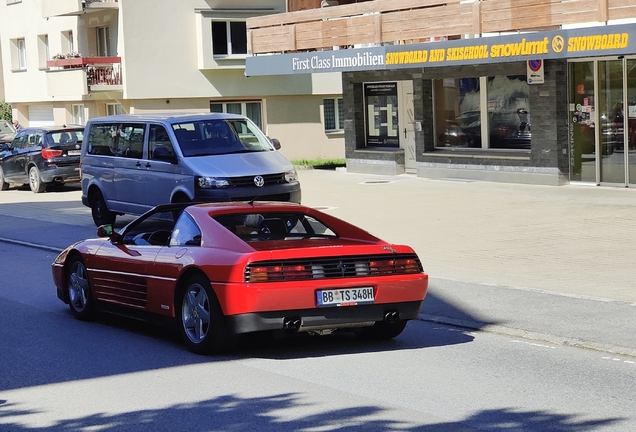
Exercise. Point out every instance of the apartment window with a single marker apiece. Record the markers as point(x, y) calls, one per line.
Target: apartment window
point(332, 111)
point(43, 50)
point(229, 38)
point(21, 47)
point(251, 110)
point(68, 45)
point(113, 109)
point(103, 41)
point(78, 114)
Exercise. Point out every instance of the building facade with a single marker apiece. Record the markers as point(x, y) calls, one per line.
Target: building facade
point(539, 91)
point(69, 60)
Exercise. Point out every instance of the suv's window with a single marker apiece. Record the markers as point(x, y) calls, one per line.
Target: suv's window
point(122, 140)
point(34, 139)
point(66, 137)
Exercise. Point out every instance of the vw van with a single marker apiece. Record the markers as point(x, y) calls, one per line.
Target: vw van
point(131, 163)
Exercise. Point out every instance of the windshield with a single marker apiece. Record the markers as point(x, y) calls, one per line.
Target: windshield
point(220, 136)
point(6, 127)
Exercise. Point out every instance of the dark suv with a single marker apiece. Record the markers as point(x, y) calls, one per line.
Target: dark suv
point(42, 155)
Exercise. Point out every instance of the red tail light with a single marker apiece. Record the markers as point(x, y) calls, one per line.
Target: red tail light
point(48, 153)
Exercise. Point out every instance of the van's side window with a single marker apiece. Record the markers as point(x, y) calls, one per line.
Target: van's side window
point(159, 144)
point(123, 140)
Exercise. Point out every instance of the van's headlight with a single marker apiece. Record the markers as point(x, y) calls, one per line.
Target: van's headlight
point(212, 182)
point(291, 176)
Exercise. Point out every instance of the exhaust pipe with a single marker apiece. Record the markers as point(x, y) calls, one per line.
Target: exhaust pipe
point(292, 323)
point(391, 316)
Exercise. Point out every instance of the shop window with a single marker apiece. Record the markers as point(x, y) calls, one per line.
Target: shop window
point(251, 110)
point(229, 38)
point(460, 108)
point(381, 105)
point(332, 112)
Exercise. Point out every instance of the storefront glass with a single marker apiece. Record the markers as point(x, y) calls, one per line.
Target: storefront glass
point(381, 103)
point(611, 133)
point(631, 118)
point(582, 123)
point(459, 112)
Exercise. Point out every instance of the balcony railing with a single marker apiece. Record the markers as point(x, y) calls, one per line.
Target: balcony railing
point(102, 73)
point(414, 21)
point(52, 8)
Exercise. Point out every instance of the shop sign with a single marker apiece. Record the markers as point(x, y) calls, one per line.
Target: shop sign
point(572, 43)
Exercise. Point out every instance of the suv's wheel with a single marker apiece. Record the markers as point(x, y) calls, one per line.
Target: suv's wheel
point(101, 214)
point(35, 181)
point(3, 184)
point(201, 321)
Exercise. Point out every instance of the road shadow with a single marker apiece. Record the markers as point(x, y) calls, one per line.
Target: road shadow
point(232, 413)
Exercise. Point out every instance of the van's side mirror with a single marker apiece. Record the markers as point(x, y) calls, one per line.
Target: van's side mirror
point(162, 153)
point(275, 143)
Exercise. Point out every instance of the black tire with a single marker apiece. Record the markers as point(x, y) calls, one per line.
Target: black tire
point(201, 322)
point(3, 184)
point(78, 289)
point(101, 214)
point(382, 330)
point(35, 181)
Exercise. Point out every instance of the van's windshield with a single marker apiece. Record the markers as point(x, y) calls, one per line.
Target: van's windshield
point(221, 136)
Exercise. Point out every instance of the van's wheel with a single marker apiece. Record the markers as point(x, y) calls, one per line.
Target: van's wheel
point(3, 184)
point(35, 181)
point(201, 322)
point(78, 289)
point(101, 214)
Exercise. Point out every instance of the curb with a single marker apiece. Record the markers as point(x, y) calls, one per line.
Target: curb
point(536, 336)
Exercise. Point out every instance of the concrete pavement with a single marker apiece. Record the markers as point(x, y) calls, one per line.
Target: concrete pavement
point(544, 262)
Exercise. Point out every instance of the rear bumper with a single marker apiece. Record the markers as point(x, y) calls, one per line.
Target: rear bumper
point(62, 174)
point(313, 319)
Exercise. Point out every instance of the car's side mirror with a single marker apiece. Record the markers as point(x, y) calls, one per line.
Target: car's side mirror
point(108, 231)
point(275, 143)
point(5, 147)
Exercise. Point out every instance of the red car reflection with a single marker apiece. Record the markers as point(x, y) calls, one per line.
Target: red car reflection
point(220, 270)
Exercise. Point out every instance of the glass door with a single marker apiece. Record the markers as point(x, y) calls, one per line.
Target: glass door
point(582, 122)
point(630, 127)
point(611, 118)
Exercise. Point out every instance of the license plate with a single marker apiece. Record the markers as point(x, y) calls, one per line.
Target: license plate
point(74, 152)
point(344, 296)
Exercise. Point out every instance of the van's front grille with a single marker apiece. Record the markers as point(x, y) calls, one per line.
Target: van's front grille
point(248, 181)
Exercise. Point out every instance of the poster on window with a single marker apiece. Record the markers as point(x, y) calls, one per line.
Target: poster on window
point(381, 105)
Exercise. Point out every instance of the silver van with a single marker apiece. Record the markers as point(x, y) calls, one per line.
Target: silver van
point(131, 163)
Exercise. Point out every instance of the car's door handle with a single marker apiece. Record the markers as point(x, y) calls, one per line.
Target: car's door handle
point(148, 165)
point(138, 164)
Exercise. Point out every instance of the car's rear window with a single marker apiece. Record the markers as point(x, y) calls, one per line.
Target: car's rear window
point(67, 137)
point(263, 226)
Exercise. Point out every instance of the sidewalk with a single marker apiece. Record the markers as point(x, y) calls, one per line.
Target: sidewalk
point(542, 262)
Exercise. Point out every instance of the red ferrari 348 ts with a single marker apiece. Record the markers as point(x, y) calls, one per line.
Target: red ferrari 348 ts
point(224, 269)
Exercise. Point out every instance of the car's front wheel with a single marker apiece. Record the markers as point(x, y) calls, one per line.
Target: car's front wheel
point(78, 289)
point(202, 324)
point(3, 183)
point(382, 330)
point(99, 211)
point(35, 181)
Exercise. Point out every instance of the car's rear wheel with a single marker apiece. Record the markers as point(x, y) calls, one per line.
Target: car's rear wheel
point(202, 324)
point(78, 289)
point(35, 181)
point(3, 184)
point(101, 214)
point(382, 330)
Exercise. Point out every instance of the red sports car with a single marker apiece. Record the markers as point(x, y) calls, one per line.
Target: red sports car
point(220, 270)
